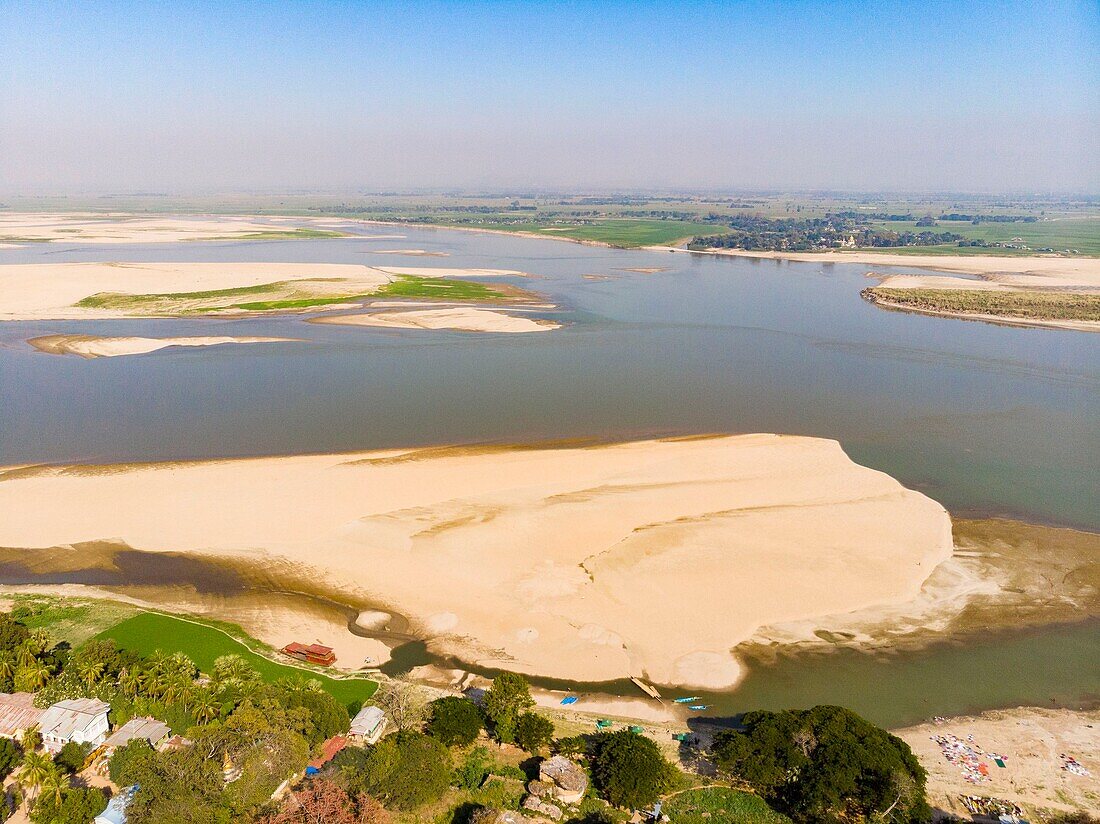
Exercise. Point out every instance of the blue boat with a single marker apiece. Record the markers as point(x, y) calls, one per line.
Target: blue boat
point(697, 707)
point(569, 699)
point(686, 700)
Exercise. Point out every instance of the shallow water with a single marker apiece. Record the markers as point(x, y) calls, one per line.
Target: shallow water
point(984, 418)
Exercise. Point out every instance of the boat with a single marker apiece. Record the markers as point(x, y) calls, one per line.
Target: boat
point(686, 700)
point(646, 688)
point(569, 699)
point(697, 707)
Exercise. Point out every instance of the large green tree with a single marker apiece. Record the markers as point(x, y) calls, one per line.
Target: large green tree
point(534, 732)
point(506, 700)
point(825, 764)
point(403, 771)
point(629, 770)
point(74, 805)
point(455, 721)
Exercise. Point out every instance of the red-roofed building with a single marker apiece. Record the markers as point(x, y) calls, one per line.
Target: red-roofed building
point(311, 653)
point(328, 752)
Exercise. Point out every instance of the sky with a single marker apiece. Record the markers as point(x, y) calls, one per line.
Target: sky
point(344, 96)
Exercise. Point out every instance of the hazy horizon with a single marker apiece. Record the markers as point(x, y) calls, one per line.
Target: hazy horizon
point(338, 96)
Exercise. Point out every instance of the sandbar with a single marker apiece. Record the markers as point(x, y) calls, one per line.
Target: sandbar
point(459, 319)
point(99, 346)
point(648, 558)
point(119, 227)
point(449, 272)
point(49, 291)
point(410, 252)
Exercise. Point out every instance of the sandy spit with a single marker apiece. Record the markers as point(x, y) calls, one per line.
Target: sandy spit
point(583, 563)
point(1074, 269)
point(48, 291)
point(1032, 739)
point(459, 319)
point(120, 227)
point(98, 346)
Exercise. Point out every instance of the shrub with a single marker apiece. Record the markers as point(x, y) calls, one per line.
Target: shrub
point(455, 721)
point(77, 805)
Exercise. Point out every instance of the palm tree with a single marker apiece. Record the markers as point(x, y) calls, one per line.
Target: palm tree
point(39, 641)
point(205, 706)
point(36, 767)
point(33, 676)
point(54, 783)
point(129, 681)
point(24, 655)
point(7, 668)
point(152, 682)
point(90, 672)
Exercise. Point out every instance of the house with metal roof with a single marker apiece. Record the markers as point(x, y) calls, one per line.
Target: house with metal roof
point(83, 720)
point(17, 713)
point(149, 729)
point(368, 725)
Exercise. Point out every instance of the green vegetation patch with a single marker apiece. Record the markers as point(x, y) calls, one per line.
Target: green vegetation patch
point(124, 301)
point(1024, 305)
point(68, 619)
point(148, 632)
point(297, 303)
point(410, 286)
point(721, 805)
point(282, 234)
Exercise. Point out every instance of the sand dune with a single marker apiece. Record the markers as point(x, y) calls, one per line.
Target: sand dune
point(459, 319)
point(649, 558)
point(48, 291)
point(99, 346)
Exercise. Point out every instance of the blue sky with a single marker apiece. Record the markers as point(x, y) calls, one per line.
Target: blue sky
point(224, 95)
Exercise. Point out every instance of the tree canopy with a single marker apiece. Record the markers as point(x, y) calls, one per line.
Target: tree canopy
point(506, 699)
point(455, 721)
point(629, 770)
point(825, 764)
point(403, 771)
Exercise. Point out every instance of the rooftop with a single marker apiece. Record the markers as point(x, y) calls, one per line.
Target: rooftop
point(67, 717)
point(147, 728)
point(17, 712)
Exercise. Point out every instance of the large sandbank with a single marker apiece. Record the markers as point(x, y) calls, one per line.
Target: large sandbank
point(1032, 739)
point(118, 227)
point(49, 291)
point(1076, 269)
point(458, 318)
point(99, 346)
point(650, 558)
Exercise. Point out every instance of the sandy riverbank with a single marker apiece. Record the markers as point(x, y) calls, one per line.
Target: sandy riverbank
point(458, 319)
point(1076, 269)
point(119, 227)
point(582, 563)
point(1033, 739)
point(99, 346)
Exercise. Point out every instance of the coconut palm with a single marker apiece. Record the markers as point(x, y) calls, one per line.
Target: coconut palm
point(36, 767)
point(32, 677)
point(129, 681)
point(205, 706)
point(54, 783)
point(7, 668)
point(89, 672)
point(24, 655)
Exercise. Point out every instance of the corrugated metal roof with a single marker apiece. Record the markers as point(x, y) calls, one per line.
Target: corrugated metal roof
point(17, 712)
point(66, 717)
point(150, 729)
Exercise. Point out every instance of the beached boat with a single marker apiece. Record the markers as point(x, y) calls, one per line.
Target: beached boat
point(697, 707)
point(569, 699)
point(686, 700)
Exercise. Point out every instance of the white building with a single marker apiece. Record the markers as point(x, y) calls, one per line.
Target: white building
point(150, 729)
point(368, 725)
point(83, 720)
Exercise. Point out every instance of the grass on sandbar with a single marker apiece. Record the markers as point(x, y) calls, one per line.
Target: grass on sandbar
point(1024, 305)
point(410, 286)
point(147, 632)
point(282, 234)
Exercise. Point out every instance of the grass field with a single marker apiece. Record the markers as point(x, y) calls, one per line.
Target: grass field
point(721, 805)
point(147, 632)
point(1080, 235)
point(1025, 305)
